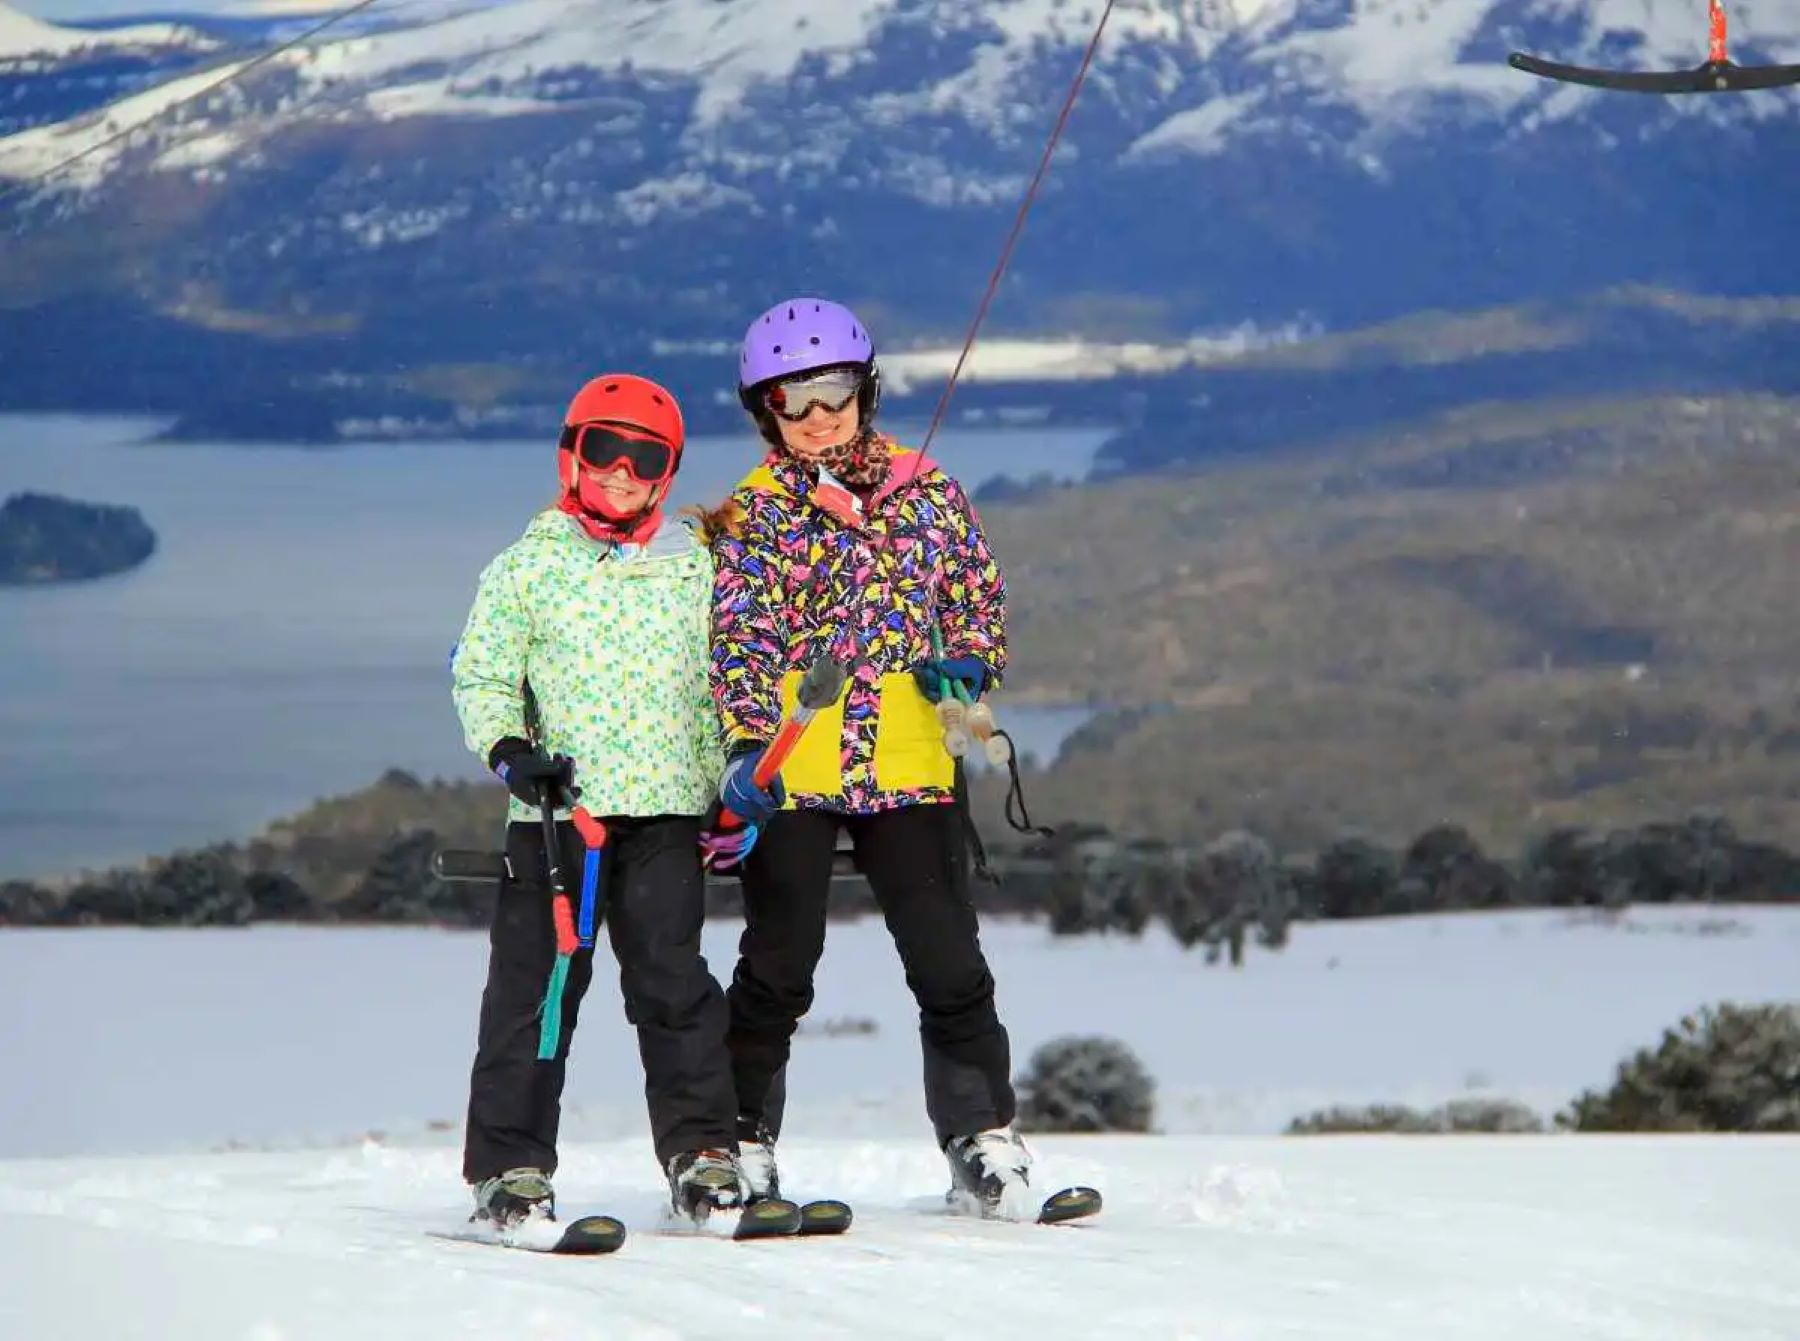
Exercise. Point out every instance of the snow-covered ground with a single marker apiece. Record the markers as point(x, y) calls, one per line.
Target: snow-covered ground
point(141, 1065)
point(1445, 1239)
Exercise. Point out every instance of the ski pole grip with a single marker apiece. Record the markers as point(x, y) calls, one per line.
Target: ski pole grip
point(819, 688)
point(592, 831)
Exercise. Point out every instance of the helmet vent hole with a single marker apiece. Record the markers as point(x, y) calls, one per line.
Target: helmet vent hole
point(777, 349)
point(815, 339)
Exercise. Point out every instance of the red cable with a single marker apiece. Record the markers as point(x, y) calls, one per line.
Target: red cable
point(993, 285)
point(1018, 227)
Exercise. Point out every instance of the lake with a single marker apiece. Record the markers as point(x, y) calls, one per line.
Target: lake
point(289, 639)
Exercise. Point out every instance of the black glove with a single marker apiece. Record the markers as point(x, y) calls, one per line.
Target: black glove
point(526, 770)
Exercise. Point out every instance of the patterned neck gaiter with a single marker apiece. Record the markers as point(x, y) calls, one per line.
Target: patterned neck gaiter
point(862, 463)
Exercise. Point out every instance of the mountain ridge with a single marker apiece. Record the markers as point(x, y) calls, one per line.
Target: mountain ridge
point(663, 171)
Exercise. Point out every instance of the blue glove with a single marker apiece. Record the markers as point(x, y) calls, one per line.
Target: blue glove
point(739, 793)
point(970, 672)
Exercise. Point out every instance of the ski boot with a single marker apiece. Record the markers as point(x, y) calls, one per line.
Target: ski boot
point(514, 1197)
point(704, 1181)
point(990, 1175)
point(756, 1162)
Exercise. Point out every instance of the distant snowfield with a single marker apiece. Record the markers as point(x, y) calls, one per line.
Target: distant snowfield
point(124, 1040)
point(304, 1041)
point(1079, 360)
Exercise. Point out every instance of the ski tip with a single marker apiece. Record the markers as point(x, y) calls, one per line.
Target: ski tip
point(587, 1236)
point(590, 1236)
point(1072, 1203)
point(825, 1217)
point(770, 1219)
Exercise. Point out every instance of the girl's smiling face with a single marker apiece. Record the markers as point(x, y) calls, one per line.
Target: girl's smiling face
point(625, 494)
point(821, 432)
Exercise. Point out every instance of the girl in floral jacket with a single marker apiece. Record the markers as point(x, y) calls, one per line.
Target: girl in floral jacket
point(844, 544)
point(583, 670)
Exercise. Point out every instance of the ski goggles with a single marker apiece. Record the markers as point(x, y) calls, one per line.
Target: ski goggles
point(649, 460)
point(794, 399)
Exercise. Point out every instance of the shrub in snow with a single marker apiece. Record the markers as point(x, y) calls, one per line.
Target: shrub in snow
point(1446, 869)
point(1085, 1084)
point(23, 904)
point(196, 889)
point(400, 887)
point(1370, 1118)
point(192, 889)
point(1566, 868)
point(1355, 878)
point(1235, 885)
point(1503, 1116)
point(1731, 1068)
point(1459, 1115)
point(1693, 861)
point(279, 898)
point(1095, 885)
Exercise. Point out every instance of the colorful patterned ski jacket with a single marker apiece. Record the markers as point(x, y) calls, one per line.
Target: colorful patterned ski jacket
point(796, 576)
point(614, 643)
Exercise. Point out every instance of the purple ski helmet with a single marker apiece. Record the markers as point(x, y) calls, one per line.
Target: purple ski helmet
point(799, 336)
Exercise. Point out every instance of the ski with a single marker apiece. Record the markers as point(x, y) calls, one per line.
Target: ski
point(771, 1219)
point(1059, 1208)
point(1072, 1203)
point(825, 1217)
point(584, 1236)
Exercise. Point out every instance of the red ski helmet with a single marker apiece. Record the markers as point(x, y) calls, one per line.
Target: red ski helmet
point(620, 400)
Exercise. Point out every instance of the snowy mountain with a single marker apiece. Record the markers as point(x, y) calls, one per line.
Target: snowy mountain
point(51, 73)
point(663, 168)
point(23, 37)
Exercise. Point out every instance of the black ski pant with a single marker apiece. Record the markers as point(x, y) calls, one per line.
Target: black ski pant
point(654, 904)
point(916, 862)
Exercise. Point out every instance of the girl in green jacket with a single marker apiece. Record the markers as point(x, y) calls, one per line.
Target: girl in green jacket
point(582, 669)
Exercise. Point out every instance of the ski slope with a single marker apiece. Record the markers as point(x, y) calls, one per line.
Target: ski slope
point(252, 1135)
point(1444, 1239)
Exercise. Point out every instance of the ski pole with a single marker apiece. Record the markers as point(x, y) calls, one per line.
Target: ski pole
point(570, 936)
point(819, 688)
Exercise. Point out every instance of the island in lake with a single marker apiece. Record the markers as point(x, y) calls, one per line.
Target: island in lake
point(44, 538)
